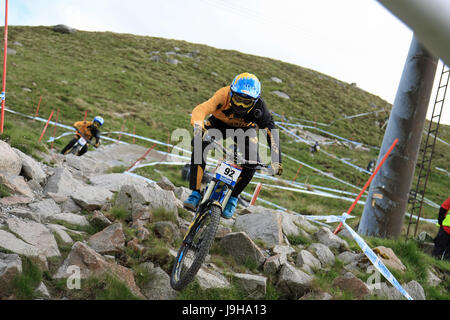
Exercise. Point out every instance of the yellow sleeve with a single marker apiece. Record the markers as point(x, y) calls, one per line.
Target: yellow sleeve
point(208, 107)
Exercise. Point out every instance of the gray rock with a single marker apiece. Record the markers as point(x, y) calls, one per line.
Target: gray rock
point(70, 218)
point(210, 279)
point(61, 28)
point(114, 181)
point(42, 291)
point(328, 238)
point(25, 214)
point(281, 94)
point(31, 169)
point(45, 209)
point(10, 162)
point(62, 182)
point(35, 234)
point(305, 257)
point(349, 257)
point(10, 267)
point(274, 263)
point(61, 232)
point(91, 198)
point(182, 193)
point(158, 287)
point(293, 283)
point(323, 253)
point(254, 286)
point(242, 248)
point(265, 226)
point(10, 242)
point(110, 240)
point(166, 184)
point(16, 185)
point(99, 220)
point(148, 196)
point(275, 79)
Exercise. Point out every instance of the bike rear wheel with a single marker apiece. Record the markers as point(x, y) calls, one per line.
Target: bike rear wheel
point(195, 247)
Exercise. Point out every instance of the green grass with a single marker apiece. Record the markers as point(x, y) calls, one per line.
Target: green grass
point(25, 283)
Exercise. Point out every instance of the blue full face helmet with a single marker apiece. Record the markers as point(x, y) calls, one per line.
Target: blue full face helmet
point(245, 92)
point(98, 120)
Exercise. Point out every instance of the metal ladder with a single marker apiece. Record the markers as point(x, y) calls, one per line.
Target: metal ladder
point(416, 197)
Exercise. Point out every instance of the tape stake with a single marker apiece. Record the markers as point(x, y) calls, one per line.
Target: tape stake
point(368, 182)
point(295, 178)
point(46, 125)
point(37, 109)
point(256, 193)
point(141, 158)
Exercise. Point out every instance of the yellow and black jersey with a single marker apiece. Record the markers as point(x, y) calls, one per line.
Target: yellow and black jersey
point(219, 107)
point(88, 130)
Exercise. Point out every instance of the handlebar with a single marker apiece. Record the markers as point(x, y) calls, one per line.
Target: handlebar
point(237, 156)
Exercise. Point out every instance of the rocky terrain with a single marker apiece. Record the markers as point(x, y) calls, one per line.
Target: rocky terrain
point(71, 217)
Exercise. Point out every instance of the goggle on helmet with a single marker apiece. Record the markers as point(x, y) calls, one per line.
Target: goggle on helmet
point(245, 92)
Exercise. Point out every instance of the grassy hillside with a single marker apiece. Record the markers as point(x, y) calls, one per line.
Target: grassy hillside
point(113, 75)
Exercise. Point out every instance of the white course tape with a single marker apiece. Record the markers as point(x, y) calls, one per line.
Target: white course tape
point(376, 261)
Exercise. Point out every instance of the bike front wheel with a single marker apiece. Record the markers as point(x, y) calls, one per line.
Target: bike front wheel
point(195, 247)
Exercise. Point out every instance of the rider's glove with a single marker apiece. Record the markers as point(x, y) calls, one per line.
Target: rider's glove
point(199, 131)
point(277, 168)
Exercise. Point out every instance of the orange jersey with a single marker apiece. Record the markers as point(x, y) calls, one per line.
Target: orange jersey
point(83, 127)
point(216, 106)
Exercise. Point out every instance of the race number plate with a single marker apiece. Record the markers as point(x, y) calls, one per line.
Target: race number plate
point(227, 173)
point(82, 142)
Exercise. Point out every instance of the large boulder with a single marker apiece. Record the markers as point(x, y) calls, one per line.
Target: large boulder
point(263, 225)
point(114, 181)
point(328, 238)
point(45, 209)
point(10, 242)
point(152, 196)
point(62, 183)
point(353, 285)
point(91, 198)
point(110, 240)
point(323, 253)
point(242, 248)
point(157, 287)
point(10, 162)
point(389, 259)
point(209, 279)
point(293, 283)
point(31, 169)
point(35, 234)
point(16, 185)
point(90, 263)
point(253, 285)
point(70, 218)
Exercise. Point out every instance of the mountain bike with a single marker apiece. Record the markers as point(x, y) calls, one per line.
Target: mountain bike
point(202, 230)
point(81, 142)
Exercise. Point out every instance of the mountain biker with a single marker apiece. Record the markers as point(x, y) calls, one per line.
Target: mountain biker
point(238, 106)
point(88, 129)
point(442, 240)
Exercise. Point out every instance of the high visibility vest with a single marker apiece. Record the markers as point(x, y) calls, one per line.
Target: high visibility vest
point(446, 221)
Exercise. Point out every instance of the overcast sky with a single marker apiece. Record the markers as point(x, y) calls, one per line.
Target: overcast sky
point(352, 40)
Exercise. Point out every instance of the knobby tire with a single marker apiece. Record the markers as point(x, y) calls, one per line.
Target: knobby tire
point(202, 233)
